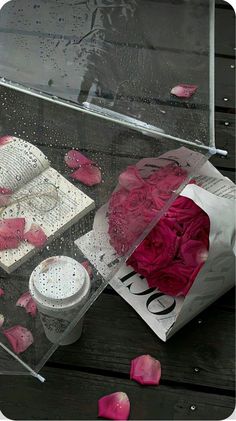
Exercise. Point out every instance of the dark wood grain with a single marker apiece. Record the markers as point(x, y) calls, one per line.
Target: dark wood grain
point(114, 334)
point(68, 394)
point(225, 30)
point(225, 139)
point(48, 124)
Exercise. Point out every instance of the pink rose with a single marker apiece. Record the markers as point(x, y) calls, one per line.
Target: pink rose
point(193, 253)
point(129, 213)
point(157, 250)
point(117, 200)
point(139, 202)
point(120, 236)
point(173, 280)
point(195, 240)
point(130, 179)
point(183, 209)
point(174, 251)
point(168, 178)
point(198, 229)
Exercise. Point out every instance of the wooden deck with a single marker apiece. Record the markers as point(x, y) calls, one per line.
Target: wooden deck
point(198, 362)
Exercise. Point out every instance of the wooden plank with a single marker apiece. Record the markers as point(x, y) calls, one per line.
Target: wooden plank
point(112, 69)
point(195, 346)
point(225, 139)
point(227, 300)
point(163, 17)
point(45, 123)
point(164, 23)
point(224, 83)
point(224, 30)
point(68, 394)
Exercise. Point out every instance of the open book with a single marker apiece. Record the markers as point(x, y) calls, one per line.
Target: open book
point(40, 194)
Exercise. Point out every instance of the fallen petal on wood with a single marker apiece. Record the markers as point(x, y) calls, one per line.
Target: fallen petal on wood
point(75, 159)
point(36, 236)
point(88, 175)
point(115, 406)
point(89, 269)
point(184, 90)
point(19, 338)
point(145, 370)
point(28, 303)
point(2, 292)
point(1, 320)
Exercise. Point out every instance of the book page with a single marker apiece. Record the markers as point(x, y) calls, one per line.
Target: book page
point(221, 187)
point(20, 161)
point(50, 201)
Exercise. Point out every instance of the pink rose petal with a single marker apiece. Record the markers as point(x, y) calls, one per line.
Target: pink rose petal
point(9, 243)
point(88, 175)
point(19, 338)
point(89, 269)
point(28, 303)
point(130, 179)
point(1, 320)
point(5, 195)
point(1, 292)
point(75, 159)
point(145, 370)
point(36, 236)
point(115, 406)
point(184, 90)
point(11, 232)
point(12, 228)
point(5, 139)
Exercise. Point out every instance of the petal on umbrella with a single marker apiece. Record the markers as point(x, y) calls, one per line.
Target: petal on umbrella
point(28, 303)
point(145, 370)
point(19, 338)
point(89, 269)
point(5, 139)
point(88, 175)
point(36, 236)
point(1, 320)
point(75, 159)
point(12, 228)
point(115, 406)
point(184, 90)
point(2, 292)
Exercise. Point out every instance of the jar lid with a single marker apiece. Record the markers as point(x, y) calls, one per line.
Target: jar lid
point(59, 282)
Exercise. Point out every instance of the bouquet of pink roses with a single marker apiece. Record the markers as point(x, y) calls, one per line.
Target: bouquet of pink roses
point(175, 250)
point(186, 257)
